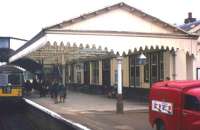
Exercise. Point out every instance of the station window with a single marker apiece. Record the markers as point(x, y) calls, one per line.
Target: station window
point(78, 77)
point(48, 69)
point(87, 73)
point(146, 69)
point(106, 72)
point(79, 68)
point(154, 67)
point(72, 73)
point(161, 59)
point(95, 72)
point(134, 70)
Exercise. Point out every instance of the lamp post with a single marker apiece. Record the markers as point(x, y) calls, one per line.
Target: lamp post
point(119, 105)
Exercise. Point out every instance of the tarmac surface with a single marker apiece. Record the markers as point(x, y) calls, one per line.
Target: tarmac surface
point(97, 112)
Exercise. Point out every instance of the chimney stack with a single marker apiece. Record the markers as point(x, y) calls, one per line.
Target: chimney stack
point(189, 19)
point(190, 15)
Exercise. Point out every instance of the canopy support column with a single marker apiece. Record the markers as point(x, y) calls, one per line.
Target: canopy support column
point(63, 69)
point(119, 105)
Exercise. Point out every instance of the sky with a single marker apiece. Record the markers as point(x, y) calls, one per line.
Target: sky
point(25, 18)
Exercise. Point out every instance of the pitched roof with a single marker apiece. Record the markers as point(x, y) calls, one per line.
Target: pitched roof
point(110, 8)
point(190, 26)
point(121, 5)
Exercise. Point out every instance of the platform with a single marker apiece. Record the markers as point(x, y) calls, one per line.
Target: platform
point(98, 112)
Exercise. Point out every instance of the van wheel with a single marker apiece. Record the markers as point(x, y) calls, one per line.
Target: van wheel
point(160, 125)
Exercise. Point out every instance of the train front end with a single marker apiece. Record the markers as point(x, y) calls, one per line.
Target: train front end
point(11, 80)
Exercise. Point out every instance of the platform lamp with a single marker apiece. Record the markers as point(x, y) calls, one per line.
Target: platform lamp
point(142, 59)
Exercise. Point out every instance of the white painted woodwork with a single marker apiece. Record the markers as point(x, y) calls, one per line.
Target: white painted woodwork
point(181, 69)
point(119, 20)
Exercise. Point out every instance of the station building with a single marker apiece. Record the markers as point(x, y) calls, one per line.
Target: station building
point(84, 49)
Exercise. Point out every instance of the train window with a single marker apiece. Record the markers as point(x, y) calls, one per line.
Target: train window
point(14, 79)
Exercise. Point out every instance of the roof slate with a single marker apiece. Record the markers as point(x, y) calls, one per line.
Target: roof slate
point(190, 26)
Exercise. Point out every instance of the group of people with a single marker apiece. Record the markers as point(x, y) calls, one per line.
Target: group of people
point(28, 86)
point(56, 90)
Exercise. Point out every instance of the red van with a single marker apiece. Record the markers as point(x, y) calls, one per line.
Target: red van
point(175, 105)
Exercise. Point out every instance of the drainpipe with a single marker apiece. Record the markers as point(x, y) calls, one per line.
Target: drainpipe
point(174, 65)
point(119, 105)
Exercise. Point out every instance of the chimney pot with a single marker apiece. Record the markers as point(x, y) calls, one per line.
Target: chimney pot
point(190, 15)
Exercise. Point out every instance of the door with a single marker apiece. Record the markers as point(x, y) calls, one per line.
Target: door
point(134, 71)
point(106, 72)
point(191, 113)
point(87, 73)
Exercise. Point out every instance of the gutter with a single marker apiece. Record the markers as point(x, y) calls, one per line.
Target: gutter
point(121, 33)
point(19, 39)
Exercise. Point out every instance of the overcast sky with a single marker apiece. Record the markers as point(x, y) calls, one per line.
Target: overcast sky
point(25, 18)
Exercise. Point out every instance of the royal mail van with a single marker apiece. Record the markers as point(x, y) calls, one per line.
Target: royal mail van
point(175, 105)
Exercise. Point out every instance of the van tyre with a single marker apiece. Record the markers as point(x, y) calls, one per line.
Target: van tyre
point(160, 125)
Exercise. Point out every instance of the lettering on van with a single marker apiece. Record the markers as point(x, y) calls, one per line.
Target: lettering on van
point(163, 107)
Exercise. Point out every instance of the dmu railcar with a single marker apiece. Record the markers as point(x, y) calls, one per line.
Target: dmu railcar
point(11, 80)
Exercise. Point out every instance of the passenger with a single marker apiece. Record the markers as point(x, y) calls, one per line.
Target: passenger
point(34, 84)
point(24, 88)
point(40, 88)
point(28, 87)
point(56, 90)
point(47, 86)
point(43, 88)
point(62, 92)
point(51, 90)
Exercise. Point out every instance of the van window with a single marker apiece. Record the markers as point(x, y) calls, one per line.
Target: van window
point(191, 103)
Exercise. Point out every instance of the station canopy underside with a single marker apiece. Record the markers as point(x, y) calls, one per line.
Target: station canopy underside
point(29, 65)
point(55, 45)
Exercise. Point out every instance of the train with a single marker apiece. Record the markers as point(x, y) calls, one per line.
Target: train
point(11, 82)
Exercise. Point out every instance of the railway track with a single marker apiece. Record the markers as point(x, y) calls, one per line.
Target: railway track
point(24, 116)
point(13, 117)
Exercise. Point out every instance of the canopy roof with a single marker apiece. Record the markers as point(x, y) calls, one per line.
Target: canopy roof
point(119, 28)
point(28, 64)
point(10, 69)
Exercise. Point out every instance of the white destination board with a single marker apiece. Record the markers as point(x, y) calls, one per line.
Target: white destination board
point(3, 79)
point(163, 107)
